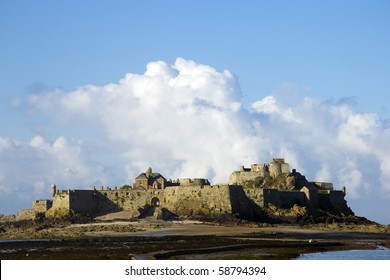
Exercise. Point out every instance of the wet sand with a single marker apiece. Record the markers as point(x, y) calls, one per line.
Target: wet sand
point(146, 239)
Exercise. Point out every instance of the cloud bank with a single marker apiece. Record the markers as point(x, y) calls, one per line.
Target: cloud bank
point(188, 120)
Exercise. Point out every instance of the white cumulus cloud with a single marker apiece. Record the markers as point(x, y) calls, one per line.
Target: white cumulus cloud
point(188, 120)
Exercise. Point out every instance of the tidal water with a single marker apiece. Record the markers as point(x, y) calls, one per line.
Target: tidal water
point(379, 254)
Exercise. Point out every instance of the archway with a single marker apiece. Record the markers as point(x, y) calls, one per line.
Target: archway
point(155, 202)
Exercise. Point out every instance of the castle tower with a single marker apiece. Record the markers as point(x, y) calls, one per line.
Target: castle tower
point(275, 167)
point(285, 168)
point(53, 190)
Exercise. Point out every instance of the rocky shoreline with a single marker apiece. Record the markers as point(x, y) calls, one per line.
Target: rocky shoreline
point(82, 238)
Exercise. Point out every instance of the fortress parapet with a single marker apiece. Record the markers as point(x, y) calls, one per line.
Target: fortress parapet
point(324, 185)
point(276, 167)
point(188, 182)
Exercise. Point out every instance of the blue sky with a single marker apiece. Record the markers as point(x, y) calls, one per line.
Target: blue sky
point(322, 64)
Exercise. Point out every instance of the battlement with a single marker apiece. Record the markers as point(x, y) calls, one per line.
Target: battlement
point(276, 167)
point(277, 160)
point(189, 182)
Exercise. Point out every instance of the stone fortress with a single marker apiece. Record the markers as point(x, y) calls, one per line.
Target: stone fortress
point(257, 193)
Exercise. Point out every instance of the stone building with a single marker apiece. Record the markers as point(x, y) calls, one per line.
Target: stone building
point(150, 180)
point(38, 207)
point(248, 193)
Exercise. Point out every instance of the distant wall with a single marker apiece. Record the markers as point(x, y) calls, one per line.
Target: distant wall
point(83, 201)
point(241, 177)
point(185, 182)
point(41, 205)
point(94, 202)
point(198, 200)
point(324, 185)
point(290, 198)
point(334, 201)
point(260, 167)
point(256, 195)
point(283, 199)
point(61, 200)
point(127, 199)
point(311, 197)
point(26, 214)
point(243, 206)
point(207, 200)
point(273, 169)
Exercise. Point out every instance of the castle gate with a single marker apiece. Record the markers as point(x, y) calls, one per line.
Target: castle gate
point(155, 202)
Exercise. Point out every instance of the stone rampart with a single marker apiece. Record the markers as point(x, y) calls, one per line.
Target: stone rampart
point(283, 199)
point(311, 197)
point(94, 202)
point(26, 214)
point(243, 206)
point(256, 195)
point(324, 185)
point(185, 182)
point(41, 205)
point(241, 177)
point(198, 200)
point(262, 168)
point(61, 200)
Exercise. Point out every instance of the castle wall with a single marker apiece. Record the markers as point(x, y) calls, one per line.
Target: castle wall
point(26, 214)
point(198, 200)
point(324, 185)
point(241, 177)
point(275, 169)
point(256, 195)
point(311, 197)
point(334, 201)
point(282, 199)
point(185, 182)
point(285, 167)
point(289, 198)
point(337, 198)
point(207, 200)
point(128, 199)
point(186, 196)
point(260, 167)
point(83, 201)
point(61, 200)
point(41, 205)
point(242, 206)
point(271, 196)
point(93, 202)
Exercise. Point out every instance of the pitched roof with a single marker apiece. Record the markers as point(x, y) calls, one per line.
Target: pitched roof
point(152, 175)
point(141, 176)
